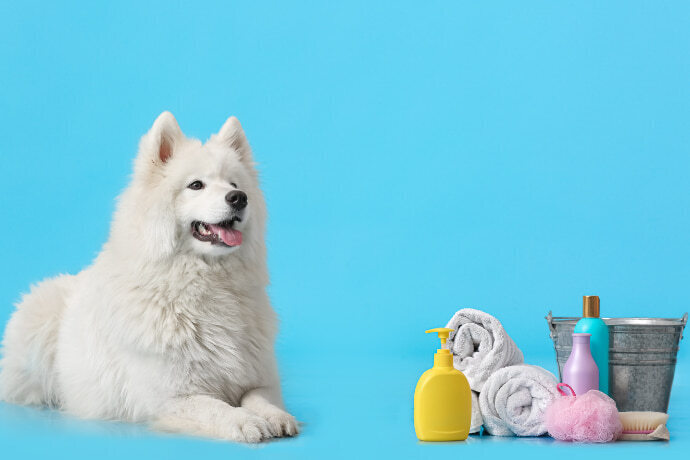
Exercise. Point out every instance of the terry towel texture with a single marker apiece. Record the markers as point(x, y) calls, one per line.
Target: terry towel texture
point(514, 400)
point(480, 346)
point(477, 421)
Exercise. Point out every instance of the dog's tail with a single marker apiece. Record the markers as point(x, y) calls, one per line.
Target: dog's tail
point(27, 369)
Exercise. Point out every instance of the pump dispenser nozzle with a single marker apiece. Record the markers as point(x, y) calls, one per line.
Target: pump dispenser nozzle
point(443, 357)
point(443, 333)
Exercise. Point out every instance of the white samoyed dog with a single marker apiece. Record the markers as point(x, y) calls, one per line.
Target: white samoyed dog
point(171, 325)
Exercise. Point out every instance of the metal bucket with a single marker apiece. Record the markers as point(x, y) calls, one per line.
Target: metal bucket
point(642, 358)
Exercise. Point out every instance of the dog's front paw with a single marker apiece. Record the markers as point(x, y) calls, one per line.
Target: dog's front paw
point(281, 423)
point(245, 426)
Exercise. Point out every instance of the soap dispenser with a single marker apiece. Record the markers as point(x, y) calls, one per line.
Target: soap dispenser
point(442, 399)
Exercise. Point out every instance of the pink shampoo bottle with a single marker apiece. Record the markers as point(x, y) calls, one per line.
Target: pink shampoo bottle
point(580, 371)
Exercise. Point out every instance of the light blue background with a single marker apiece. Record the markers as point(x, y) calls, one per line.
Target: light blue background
point(417, 157)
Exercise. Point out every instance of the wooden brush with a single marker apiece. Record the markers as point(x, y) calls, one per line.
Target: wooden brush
point(642, 422)
point(644, 426)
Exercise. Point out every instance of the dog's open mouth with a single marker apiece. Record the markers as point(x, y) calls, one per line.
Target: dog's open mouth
point(221, 233)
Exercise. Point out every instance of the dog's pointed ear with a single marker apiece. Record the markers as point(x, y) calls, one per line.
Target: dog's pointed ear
point(159, 143)
point(232, 135)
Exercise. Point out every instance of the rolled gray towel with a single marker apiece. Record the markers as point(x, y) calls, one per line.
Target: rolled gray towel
point(514, 400)
point(480, 346)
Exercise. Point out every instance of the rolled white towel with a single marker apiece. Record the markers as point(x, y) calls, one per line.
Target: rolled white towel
point(480, 346)
point(477, 421)
point(514, 400)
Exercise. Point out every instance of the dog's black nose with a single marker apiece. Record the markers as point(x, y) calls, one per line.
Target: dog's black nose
point(236, 199)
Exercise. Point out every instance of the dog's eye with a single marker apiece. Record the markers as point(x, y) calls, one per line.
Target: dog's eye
point(196, 185)
point(233, 184)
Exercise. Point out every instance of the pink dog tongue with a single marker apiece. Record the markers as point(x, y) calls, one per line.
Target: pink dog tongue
point(231, 237)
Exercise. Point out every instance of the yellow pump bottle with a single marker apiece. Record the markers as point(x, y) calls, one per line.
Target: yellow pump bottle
point(442, 399)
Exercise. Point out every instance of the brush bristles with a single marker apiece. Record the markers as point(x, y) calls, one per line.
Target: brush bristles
point(642, 422)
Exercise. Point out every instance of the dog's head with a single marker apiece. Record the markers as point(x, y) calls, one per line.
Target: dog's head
point(192, 197)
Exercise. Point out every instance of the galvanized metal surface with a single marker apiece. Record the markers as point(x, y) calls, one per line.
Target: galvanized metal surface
point(642, 357)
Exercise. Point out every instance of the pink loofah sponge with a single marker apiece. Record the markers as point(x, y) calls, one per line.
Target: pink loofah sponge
point(592, 417)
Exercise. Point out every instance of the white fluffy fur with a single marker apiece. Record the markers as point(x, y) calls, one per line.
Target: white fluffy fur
point(162, 328)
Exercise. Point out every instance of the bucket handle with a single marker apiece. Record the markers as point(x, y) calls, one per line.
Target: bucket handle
point(552, 330)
